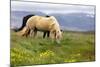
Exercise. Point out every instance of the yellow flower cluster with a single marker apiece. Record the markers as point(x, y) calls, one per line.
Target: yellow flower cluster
point(47, 54)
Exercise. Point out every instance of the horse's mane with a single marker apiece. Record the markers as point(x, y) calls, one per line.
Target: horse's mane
point(55, 20)
point(47, 16)
point(24, 21)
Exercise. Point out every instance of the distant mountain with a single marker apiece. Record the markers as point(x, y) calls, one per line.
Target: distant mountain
point(71, 21)
point(17, 17)
point(76, 21)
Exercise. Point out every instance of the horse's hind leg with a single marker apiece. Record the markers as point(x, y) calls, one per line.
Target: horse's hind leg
point(27, 33)
point(35, 32)
point(31, 32)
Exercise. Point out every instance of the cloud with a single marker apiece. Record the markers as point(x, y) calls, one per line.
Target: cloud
point(50, 8)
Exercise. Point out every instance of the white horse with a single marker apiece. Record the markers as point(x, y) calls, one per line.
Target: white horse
point(44, 24)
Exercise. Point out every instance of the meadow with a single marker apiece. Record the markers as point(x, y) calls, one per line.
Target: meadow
point(74, 47)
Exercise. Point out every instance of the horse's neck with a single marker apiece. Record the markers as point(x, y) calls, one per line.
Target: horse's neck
point(55, 21)
point(57, 26)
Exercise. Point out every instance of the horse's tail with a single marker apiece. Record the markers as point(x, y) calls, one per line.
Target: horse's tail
point(24, 22)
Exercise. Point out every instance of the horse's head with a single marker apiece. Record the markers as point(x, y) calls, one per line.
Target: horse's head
point(58, 35)
point(56, 29)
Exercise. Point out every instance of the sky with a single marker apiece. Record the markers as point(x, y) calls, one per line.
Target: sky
point(51, 8)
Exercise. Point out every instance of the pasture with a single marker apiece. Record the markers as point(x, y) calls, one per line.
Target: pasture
point(74, 47)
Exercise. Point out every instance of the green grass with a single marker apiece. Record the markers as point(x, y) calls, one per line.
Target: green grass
point(74, 47)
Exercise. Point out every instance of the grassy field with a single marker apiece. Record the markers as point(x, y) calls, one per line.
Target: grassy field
point(74, 47)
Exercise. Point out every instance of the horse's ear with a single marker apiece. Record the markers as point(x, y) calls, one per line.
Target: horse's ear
point(61, 30)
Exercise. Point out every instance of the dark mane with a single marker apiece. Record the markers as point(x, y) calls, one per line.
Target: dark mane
point(47, 16)
point(24, 21)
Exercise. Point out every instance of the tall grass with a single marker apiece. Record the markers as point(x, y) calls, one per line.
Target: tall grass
point(74, 47)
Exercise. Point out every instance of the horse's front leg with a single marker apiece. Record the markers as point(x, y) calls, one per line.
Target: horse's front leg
point(52, 36)
point(44, 34)
point(48, 33)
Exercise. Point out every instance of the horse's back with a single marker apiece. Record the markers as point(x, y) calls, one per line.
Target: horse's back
point(40, 22)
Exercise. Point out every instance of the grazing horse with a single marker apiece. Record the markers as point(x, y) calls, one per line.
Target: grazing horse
point(40, 23)
point(28, 32)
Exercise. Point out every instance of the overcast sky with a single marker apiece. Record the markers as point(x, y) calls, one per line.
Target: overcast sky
point(50, 8)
